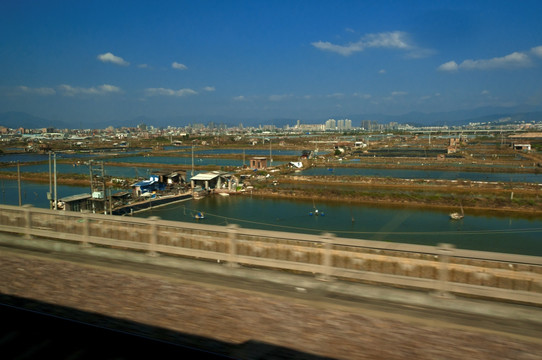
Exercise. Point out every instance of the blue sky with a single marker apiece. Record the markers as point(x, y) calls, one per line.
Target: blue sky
point(108, 61)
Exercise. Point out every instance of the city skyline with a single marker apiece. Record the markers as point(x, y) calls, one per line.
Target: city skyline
point(257, 61)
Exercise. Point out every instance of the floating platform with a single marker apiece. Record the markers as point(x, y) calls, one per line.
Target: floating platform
point(149, 204)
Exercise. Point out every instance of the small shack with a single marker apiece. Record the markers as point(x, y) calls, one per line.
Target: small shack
point(77, 202)
point(148, 186)
point(214, 180)
point(522, 146)
point(295, 165)
point(307, 154)
point(172, 177)
point(258, 162)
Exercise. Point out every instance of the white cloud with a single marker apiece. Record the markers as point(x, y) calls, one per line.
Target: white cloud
point(339, 49)
point(537, 51)
point(485, 92)
point(38, 91)
point(240, 98)
point(449, 66)
point(169, 92)
point(209, 88)
point(178, 66)
point(382, 71)
point(399, 93)
point(106, 88)
point(388, 40)
point(68, 90)
point(513, 60)
point(109, 57)
point(510, 61)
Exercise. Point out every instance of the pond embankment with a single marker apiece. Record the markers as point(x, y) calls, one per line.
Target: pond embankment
point(519, 198)
point(448, 194)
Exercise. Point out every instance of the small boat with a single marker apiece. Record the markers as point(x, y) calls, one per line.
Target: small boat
point(198, 193)
point(199, 215)
point(316, 211)
point(457, 215)
point(223, 194)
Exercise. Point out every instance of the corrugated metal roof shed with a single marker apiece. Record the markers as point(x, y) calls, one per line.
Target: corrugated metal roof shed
point(206, 176)
point(75, 197)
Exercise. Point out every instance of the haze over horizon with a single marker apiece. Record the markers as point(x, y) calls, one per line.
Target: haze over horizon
point(109, 62)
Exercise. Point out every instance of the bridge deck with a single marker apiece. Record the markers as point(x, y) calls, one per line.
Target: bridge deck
point(248, 317)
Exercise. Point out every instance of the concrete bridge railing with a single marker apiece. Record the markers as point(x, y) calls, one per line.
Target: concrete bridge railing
point(442, 269)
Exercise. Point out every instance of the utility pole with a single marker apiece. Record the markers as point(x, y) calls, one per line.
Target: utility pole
point(56, 195)
point(19, 182)
point(192, 173)
point(50, 181)
point(270, 154)
point(110, 201)
point(97, 185)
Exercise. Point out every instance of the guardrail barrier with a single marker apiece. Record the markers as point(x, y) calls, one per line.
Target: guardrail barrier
point(442, 269)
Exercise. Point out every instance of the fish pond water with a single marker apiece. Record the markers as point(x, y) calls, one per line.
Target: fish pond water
point(477, 231)
point(506, 234)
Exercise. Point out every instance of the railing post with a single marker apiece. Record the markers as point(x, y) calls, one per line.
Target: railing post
point(444, 258)
point(27, 221)
point(153, 235)
point(232, 237)
point(86, 228)
point(327, 240)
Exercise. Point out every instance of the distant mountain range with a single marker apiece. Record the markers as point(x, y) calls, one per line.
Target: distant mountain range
point(450, 118)
point(457, 118)
point(15, 120)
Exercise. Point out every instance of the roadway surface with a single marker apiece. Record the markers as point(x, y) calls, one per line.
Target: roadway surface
point(184, 310)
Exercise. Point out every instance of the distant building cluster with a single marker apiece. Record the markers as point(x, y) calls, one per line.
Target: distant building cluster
point(338, 125)
point(120, 137)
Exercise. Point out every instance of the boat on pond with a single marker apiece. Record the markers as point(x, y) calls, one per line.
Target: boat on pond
point(457, 215)
point(199, 215)
point(198, 193)
point(315, 211)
